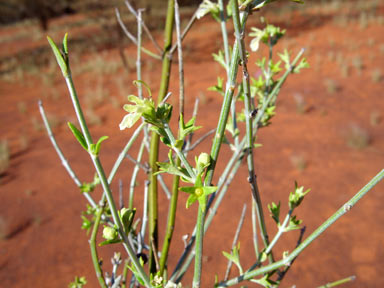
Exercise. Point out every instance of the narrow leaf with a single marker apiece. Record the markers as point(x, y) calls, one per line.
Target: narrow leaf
point(97, 147)
point(59, 57)
point(78, 135)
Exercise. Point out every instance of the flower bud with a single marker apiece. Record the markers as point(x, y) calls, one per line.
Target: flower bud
point(204, 159)
point(109, 233)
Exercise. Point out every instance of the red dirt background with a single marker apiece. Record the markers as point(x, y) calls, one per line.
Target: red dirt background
point(320, 111)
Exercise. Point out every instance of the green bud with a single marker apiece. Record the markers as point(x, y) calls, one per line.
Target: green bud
point(109, 233)
point(204, 159)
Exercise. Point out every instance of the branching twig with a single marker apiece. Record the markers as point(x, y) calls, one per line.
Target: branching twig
point(235, 239)
point(64, 161)
point(132, 10)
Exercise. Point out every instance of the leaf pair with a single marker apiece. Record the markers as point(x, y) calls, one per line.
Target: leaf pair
point(94, 149)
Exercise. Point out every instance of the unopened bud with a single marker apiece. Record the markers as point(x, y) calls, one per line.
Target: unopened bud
point(109, 233)
point(204, 159)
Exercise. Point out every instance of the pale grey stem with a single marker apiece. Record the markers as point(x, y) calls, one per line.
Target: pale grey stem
point(201, 139)
point(124, 152)
point(122, 25)
point(194, 114)
point(180, 58)
point(235, 239)
point(149, 34)
point(254, 229)
point(121, 198)
point(145, 210)
point(164, 186)
point(64, 161)
point(135, 171)
point(185, 31)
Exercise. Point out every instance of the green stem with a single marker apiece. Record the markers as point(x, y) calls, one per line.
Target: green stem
point(170, 221)
point(239, 32)
point(124, 275)
point(186, 257)
point(344, 209)
point(215, 154)
point(104, 181)
point(64, 161)
point(154, 147)
point(92, 243)
point(176, 179)
point(179, 153)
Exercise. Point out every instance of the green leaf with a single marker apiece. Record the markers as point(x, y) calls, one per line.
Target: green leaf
point(108, 242)
point(302, 64)
point(191, 199)
point(59, 57)
point(95, 149)
point(78, 283)
point(275, 211)
point(188, 128)
point(65, 44)
point(208, 7)
point(294, 224)
point(297, 196)
point(265, 281)
point(127, 216)
point(78, 135)
point(234, 257)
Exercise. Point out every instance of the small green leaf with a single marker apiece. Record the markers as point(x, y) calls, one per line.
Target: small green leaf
point(65, 44)
point(108, 242)
point(191, 199)
point(294, 224)
point(96, 148)
point(275, 211)
point(78, 135)
point(127, 216)
point(59, 57)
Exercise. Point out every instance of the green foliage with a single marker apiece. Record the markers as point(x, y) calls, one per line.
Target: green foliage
point(61, 57)
point(78, 135)
point(275, 212)
point(234, 257)
point(89, 187)
point(297, 196)
point(79, 282)
point(270, 35)
point(198, 192)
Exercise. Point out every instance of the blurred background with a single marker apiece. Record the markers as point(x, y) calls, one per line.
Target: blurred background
point(327, 134)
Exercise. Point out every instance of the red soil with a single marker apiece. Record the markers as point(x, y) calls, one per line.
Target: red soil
point(42, 244)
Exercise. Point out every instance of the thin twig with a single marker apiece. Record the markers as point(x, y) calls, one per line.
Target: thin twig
point(201, 139)
point(132, 38)
point(254, 229)
point(92, 243)
point(124, 152)
point(135, 171)
point(132, 10)
point(164, 186)
point(285, 261)
point(145, 210)
point(155, 254)
point(180, 58)
point(194, 114)
point(121, 196)
point(339, 282)
point(64, 161)
point(185, 31)
point(235, 239)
